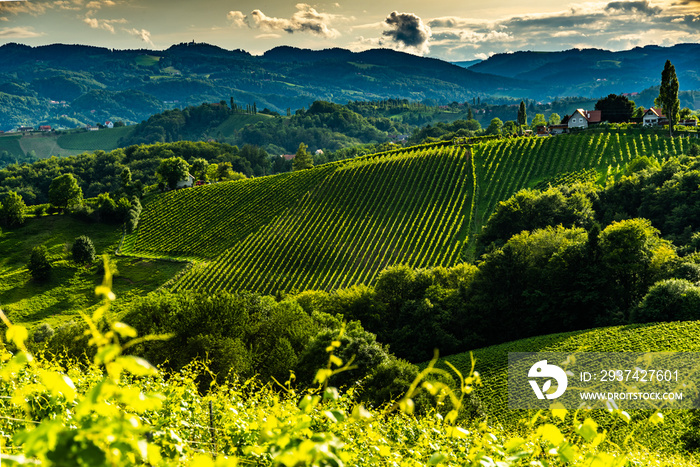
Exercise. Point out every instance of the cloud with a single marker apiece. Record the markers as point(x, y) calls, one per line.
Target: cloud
point(483, 56)
point(305, 19)
point(408, 30)
point(615, 25)
point(643, 7)
point(19, 33)
point(237, 18)
point(141, 34)
point(268, 36)
point(106, 24)
point(19, 7)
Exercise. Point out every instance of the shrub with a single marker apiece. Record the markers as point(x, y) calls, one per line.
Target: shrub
point(356, 344)
point(83, 250)
point(43, 333)
point(39, 265)
point(669, 300)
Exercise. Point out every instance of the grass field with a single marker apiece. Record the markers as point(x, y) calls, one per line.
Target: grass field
point(45, 146)
point(106, 139)
point(11, 144)
point(237, 121)
point(71, 288)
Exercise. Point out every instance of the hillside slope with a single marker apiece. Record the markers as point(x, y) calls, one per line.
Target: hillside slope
point(492, 364)
point(339, 224)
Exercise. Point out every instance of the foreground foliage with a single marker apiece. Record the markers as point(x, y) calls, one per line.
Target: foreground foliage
point(121, 411)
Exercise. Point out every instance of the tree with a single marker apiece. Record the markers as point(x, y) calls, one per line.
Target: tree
point(12, 210)
point(495, 127)
point(65, 191)
point(172, 170)
point(83, 250)
point(554, 119)
point(302, 159)
point(510, 127)
point(199, 168)
point(668, 95)
point(539, 120)
point(125, 177)
point(615, 108)
point(39, 265)
point(522, 116)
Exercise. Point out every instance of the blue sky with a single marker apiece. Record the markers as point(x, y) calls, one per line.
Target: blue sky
point(451, 30)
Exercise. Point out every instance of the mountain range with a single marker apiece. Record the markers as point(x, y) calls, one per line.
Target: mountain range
point(72, 85)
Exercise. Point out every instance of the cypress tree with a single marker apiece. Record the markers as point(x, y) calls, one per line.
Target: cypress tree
point(668, 95)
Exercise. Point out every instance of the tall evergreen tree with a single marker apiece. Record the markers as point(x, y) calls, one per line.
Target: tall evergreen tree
point(668, 95)
point(522, 116)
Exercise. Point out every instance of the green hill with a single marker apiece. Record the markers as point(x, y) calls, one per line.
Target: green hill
point(340, 224)
point(105, 139)
point(492, 364)
point(71, 288)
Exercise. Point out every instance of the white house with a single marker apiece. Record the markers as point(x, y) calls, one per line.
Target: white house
point(653, 117)
point(109, 124)
point(582, 118)
point(186, 183)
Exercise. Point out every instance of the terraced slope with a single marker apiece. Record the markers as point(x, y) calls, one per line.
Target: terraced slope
point(408, 207)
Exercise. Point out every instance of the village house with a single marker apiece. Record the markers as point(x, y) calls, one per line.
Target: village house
point(109, 124)
point(653, 117)
point(582, 118)
point(186, 183)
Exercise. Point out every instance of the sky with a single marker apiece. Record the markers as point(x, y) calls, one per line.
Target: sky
point(452, 30)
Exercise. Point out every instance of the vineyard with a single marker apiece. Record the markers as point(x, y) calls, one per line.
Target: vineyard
point(211, 218)
point(410, 207)
point(340, 224)
point(506, 166)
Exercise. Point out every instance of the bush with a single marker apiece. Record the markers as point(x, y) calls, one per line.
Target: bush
point(669, 300)
point(43, 333)
point(356, 344)
point(39, 265)
point(83, 250)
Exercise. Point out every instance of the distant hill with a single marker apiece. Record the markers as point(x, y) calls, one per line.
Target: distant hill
point(70, 85)
point(467, 63)
point(596, 72)
point(64, 84)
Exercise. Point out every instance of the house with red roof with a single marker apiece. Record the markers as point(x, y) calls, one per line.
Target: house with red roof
point(653, 117)
point(582, 118)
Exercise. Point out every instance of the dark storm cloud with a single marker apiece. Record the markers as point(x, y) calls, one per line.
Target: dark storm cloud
point(407, 29)
point(640, 7)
